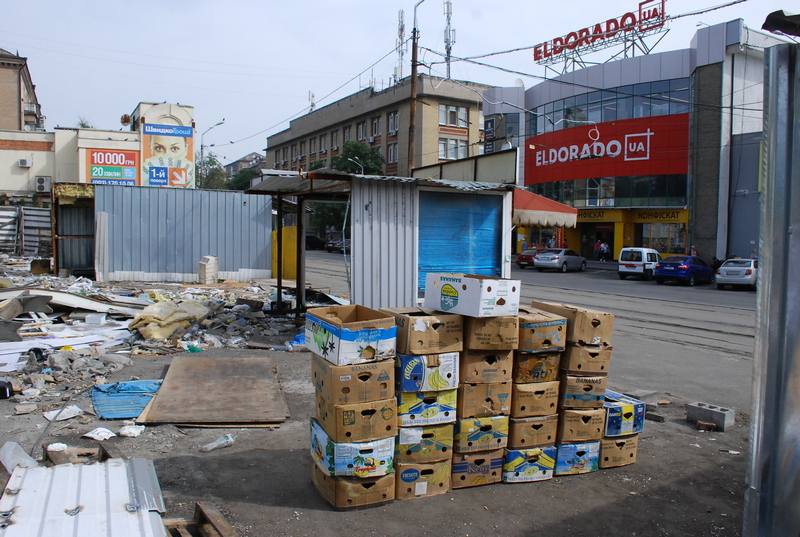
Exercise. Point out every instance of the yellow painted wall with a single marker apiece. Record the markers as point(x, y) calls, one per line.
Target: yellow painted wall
point(289, 253)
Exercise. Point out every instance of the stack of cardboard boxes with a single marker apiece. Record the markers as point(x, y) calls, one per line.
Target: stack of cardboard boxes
point(428, 345)
point(353, 431)
point(477, 391)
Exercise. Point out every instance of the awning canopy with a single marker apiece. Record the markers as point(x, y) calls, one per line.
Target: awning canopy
point(532, 209)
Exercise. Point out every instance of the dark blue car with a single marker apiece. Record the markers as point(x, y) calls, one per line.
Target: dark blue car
point(685, 269)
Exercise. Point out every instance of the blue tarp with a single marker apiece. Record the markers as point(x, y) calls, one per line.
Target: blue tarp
point(123, 399)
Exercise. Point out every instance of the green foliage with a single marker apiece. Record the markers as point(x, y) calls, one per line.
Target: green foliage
point(210, 173)
point(84, 123)
point(241, 181)
point(316, 165)
point(370, 159)
point(327, 215)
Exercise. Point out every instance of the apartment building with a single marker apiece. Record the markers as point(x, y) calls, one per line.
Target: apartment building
point(448, 126)
point(19, 107)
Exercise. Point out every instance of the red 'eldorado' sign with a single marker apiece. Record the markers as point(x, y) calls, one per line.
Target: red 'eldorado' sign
point(643, 146)
point(649, 17)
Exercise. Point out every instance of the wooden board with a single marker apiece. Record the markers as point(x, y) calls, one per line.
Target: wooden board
point(197, 389)
point(208, 521)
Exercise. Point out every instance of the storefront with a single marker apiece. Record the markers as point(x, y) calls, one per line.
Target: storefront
point(664, 230)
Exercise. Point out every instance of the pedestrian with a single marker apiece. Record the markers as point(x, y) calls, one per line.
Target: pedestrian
point(715, 263)
point(524, 245)
point(603, 251)
point(754, 255)
point(597, 250)
point(693, 251)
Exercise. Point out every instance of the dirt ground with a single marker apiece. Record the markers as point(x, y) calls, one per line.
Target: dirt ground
point(684, 483)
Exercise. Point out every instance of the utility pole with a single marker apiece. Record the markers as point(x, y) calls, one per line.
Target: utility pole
point(449, 34)
point(412, 112)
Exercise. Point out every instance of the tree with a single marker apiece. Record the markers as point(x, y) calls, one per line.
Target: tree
point(210, 173)
point(241, 181)
point(370, 159)
point(84, 123)
point(316, 165)
point(327, 215)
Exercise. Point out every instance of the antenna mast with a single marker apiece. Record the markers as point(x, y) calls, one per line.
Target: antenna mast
point(401, 46)
point(449, 34)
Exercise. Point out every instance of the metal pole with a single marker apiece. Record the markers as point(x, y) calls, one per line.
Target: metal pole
point(412, 111)
point(203, 166)
point(773, 478)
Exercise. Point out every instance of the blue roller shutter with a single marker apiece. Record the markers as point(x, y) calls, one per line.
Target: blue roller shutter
point(459, 233)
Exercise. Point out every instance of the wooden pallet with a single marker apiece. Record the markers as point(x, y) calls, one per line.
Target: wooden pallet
point(84, 455)
point(207, 522)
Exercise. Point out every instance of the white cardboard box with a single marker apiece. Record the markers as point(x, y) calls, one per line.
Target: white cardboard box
point(472, 295)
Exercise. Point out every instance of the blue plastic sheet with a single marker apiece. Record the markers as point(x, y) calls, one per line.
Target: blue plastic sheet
point(122, 400)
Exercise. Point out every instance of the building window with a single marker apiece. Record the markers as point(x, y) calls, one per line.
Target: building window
point(285, 154)
point(376, 126)
point(312, 145)
point(323, 143)
point(302, 149)
point(334, 140)
point(294, 151)
point(277, 156)
point(361, 130)
point(394, 122)
point(347, 134)
point(453, 116)
point(451, 149)
point(391, 153)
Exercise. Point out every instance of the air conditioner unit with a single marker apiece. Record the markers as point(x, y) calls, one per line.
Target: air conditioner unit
point(43, 183)
point(25, 163)
point(392, 132)
point(335, 148)
point(372, 139)
point(283, 163)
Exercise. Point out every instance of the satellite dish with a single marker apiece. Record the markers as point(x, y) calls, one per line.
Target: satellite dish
point(519, 83)
point(125, 120)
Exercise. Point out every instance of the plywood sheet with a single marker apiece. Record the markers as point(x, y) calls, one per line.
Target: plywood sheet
point(198, 389)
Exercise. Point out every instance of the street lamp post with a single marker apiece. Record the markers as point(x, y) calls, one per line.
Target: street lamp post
point(357, 162)
point(201, 177)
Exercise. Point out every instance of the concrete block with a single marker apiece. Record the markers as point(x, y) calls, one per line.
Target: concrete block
point(721, 417)
point(650, 398)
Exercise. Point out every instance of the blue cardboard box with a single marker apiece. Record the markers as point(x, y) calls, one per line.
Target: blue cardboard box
point(426, 408)
point(577, 458)
point(427, 372)
point(624, 415)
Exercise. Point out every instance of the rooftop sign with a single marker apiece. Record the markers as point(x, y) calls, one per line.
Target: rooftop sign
point(649, 19)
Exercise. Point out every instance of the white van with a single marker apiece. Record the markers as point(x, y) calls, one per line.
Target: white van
point(638, 262)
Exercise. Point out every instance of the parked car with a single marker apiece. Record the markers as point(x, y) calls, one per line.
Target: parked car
point(525, 258)
point(638, 262)
point(314, 243)
point(685, 269)
point(338, 245)
point(735, 272)
point(562, 259)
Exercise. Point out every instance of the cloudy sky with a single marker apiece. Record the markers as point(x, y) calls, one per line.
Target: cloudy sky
point(254, 62)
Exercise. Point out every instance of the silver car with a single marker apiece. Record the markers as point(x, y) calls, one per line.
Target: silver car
point(562, 259)
point(735, 272)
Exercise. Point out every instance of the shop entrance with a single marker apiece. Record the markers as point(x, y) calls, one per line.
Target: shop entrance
point(666, 238)
point(591, 233)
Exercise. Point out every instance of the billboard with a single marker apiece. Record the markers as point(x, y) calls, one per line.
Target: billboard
point(112, 167)
point(644, 146)
point(168, 155)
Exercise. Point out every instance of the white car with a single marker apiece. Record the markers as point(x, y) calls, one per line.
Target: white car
point(639, 262)
point(735, 272)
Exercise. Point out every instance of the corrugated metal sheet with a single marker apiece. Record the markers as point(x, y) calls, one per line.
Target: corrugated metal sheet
point(115, 498)
point(37, 233)
point(161, 234)
point(384, 243)
point(9, 219)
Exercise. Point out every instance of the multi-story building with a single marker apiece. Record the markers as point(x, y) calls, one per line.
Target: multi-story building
point(248, 161)
point(659, 150)
point(19, 107)
point(448, 126)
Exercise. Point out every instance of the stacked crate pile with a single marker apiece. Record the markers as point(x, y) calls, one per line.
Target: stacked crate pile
point(583, 380)
point(353, 431)
point(531, 451)
point(428, 348)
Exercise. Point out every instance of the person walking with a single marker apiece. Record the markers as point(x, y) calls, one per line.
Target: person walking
point(597, 250)
point(604, 251)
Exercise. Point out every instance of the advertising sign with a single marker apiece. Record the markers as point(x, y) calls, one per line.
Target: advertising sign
point(643, 146)
point(168, 155)
point(112, 167)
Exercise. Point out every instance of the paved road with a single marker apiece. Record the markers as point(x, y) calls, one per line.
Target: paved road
point(694, 342)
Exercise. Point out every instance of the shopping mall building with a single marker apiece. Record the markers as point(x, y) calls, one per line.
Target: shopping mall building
point(659, 150)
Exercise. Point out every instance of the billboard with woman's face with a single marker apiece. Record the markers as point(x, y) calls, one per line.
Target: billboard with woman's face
point(168, 155)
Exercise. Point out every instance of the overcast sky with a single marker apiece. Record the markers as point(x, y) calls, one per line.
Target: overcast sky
point(254, 62)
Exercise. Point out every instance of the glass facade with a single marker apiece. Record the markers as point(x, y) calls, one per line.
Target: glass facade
point(620, 192)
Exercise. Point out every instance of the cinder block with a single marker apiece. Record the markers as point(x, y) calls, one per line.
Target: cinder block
point(721, 417)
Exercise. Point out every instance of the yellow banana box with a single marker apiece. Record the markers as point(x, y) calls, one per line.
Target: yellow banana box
point(349, 493)
point(477, 400)
point(427, 372)
point(536, 367)
point(430, 443)
point(624, 415)
point(582, 392)
point(475, 469)
point(541, 331)
point(358, 459)
point(481, 434)
point(422, 480)
point(426, 408)
point(526, 465)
